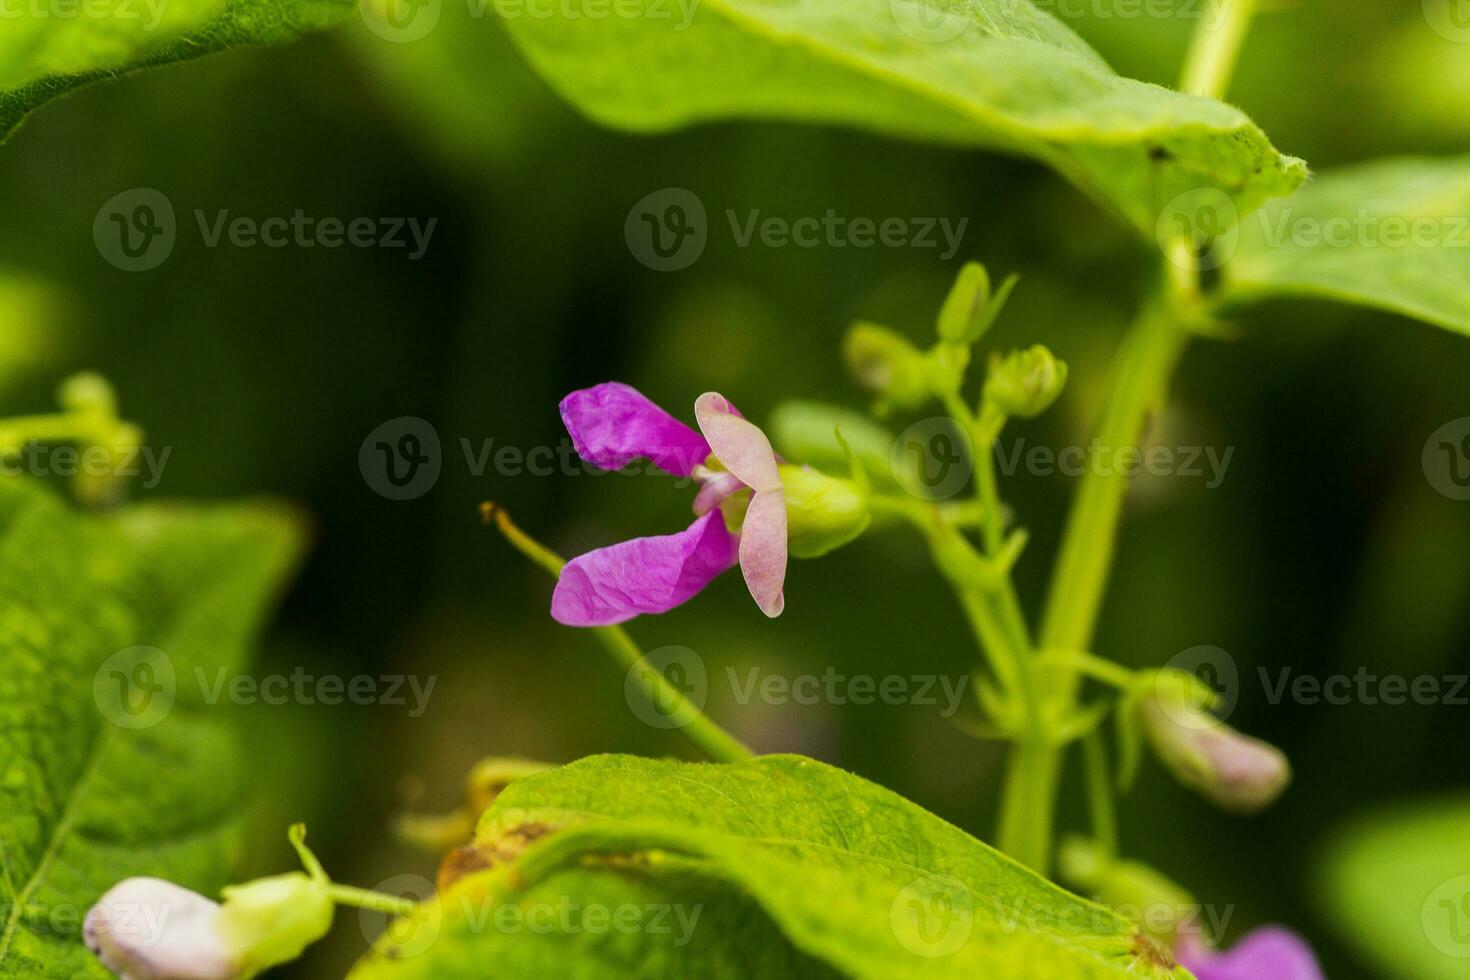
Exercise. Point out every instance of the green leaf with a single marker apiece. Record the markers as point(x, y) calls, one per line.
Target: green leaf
point(804, 870)
point(993, 73)
point(43, 55)
point(92, 791)
point(1397, 884)
point(1393, 234)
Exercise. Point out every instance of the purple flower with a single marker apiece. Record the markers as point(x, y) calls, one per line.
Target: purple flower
point(1269, 952)
point(611, 425)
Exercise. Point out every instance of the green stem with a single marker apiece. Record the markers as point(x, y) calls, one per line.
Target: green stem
point(709, 737)
point(362, 898)
point(1138, 386)
point(1216, 48)
point(1100, 794)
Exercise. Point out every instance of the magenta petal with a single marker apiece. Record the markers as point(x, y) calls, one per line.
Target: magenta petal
point(739, 445)
point(613, 424)
point(1272, 951)
point(763, 550)
point(644, 575)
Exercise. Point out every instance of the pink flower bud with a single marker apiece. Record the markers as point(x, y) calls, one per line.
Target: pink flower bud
point(150, 929)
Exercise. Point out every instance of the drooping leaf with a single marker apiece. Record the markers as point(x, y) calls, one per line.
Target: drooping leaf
point(1394, 234)
point(43, 55)
point(803, 870)
point(994, 73)
point(112, 763)
point(1397, 885)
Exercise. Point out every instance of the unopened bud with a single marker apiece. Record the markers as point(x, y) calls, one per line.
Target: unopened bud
point(888, 365)
point(1025, 383)
point(151, 929)
point(1234, 771)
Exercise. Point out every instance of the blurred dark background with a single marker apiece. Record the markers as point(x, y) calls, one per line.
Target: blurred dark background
point(1325, 548)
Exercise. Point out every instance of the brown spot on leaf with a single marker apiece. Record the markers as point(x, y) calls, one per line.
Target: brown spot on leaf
point(481, 855)
point(1151, 953)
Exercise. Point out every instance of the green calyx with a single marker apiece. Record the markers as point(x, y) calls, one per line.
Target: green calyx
point(823, 512)
point(270, 921)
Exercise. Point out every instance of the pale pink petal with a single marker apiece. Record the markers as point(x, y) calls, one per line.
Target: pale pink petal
point(1269, 953)
point(150, 929)
point(613, 424)
point(644, 575)
point(740, 445)
point(763, 550)
point(714, 487)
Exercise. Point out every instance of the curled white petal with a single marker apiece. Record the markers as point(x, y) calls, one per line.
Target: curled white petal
point(150, 929)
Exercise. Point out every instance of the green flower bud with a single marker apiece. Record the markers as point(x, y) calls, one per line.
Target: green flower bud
point(1131, 888)
point(822, 512)
point(1025, 383)
point(87, 393)
point(269, 921)
point(888, 365)
point(962, 318)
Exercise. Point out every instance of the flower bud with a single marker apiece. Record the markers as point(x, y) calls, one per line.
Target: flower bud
point(961, 318)
point(822, 512)
point(271, 920)
point(1025, 383)
point(888, 365)
point(1131, 888)
point(1234, 771)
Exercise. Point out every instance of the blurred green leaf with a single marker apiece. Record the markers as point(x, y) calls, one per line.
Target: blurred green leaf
point(842, 870)
point(1393, 234)
point(806, 432)
point(994, 73)
point(45, 53)
point(1398, 885)
point(113, 763)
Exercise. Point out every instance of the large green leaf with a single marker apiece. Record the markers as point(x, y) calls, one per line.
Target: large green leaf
point(1397, 885)
point(1394, 234)
point(92, 790)
point(45, 52)
point(993, 73)
point(800, 868)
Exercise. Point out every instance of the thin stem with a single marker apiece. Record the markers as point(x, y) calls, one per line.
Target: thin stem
point(373, 901)
point(1086, 664)
point(1100, 794)
point(667, 699)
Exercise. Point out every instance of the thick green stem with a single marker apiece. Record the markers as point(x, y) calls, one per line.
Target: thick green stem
point(696, 726)
point(1137, 387)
